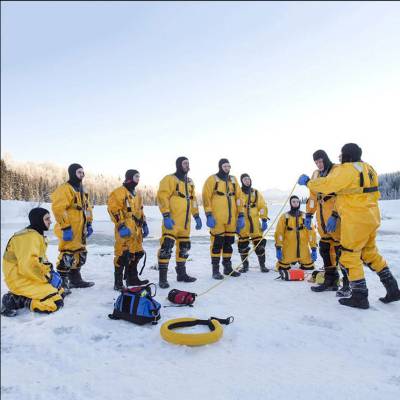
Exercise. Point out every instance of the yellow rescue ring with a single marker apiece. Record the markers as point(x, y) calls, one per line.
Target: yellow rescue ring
point(193, 339)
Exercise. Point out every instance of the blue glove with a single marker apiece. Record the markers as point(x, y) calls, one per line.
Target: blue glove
point(314, 254)
point(89, 229)
point(264, 225)
point(303, 180)
point(124, 231)
point(145, 229)
point(331, 224)
point(168, 222)
point(55, 279)
point(308, 221)
point(279, 254)
point(240, 223)
point(67, 234)
point(210, 221)
point(199, 224)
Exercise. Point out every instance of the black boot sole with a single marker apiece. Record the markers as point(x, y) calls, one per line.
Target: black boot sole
point(343, 302)
point(187, 280)
point(319, 289)
point(81, 285)
point(389, 299)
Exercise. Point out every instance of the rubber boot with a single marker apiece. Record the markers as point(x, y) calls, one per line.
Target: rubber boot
point(118, 281)
point(359, 295)
point(162, 273)
point(65, 282)
point(76, 281)
point(181, 275)
point(331, 278)
point(345, 290)
point(227, 263)
point(245, 265)
point(261, 261)
point(10, 303)
point(132, 277)
point(390, 283)
point(215, 268)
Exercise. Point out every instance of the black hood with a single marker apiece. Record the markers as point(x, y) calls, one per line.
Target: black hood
point(327, 162)
point(221, 174)
point(73, 179)
point(245, 189)
point(129, 183)
point(294, 211)
point(180, 173)
point(36, 219)
point(351, 152)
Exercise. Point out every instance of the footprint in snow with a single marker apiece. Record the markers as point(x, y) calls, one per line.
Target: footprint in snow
point(63, 330)
point(313, 321)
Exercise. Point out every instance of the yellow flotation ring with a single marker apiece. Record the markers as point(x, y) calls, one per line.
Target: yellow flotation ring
point(193, 339)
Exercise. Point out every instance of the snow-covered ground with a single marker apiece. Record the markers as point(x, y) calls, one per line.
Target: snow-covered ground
point(286, 342)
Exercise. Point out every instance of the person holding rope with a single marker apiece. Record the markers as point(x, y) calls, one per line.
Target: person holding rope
point(73, 213)
point(293, 241)
point(125, 207)
point(356, 186)
point(223, 205)
point(328, 226)
point(176, 198)
point(255, 209)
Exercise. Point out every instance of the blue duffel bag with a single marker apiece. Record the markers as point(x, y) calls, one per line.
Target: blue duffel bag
point(136, 304)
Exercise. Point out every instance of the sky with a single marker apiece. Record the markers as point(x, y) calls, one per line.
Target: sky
point(120, 85)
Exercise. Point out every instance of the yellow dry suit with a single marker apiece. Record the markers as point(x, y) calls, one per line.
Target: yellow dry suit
point(176, 198)
point(295, 240)
point(71, 208)
point(357, 195)
point(126, 208)
point(27, 271)
point(255, 209)
point(223, 199)
point(324, 206)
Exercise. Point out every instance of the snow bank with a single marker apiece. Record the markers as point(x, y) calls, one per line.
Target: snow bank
point(286, 342)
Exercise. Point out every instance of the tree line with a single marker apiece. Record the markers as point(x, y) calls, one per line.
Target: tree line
point(36, 182)
point(389, 186)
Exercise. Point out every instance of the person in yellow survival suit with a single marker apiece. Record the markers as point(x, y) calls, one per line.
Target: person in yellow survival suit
point(255, 209)
point(222, 201)
point(329, 231)
point(176, 198)
point(28, 274)
point(73, 213)
point(293, 241)
point(125, 207)
point(356, 186)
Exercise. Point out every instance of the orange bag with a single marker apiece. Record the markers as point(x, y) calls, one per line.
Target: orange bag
point(291, 274)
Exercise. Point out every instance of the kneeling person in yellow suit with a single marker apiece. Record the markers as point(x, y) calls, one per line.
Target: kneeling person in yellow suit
point(176, 199)
point(73, 213)
point(254, 210)
point(125, 207)
point(28, 274)
point(357, 193)
point(293, 240)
